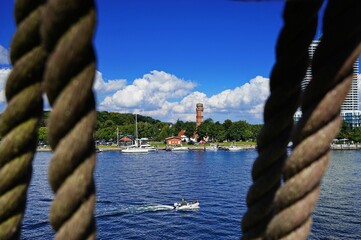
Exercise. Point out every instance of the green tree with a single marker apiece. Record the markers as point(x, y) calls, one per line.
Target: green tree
point(190, 128)
point(44, 119)
point(147, 130)
point(108, 123)
point(256, 129)
point(220, 133)
point(207, 129)
point(355, 134)
point(107, 133)
point(164, 132)
point(240, 130)
point(179, 125)
point(128, 129)
point(226, 125)
point(43, 134)
point(345, 131)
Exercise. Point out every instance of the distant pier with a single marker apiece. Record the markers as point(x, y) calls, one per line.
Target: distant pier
point(356, 146)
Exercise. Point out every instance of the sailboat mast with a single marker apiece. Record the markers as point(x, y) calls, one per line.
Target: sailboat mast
point(117, 136)
point(136, 127)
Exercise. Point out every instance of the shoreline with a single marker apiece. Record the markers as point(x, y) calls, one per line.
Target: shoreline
point(191, 148)
point(203, 148)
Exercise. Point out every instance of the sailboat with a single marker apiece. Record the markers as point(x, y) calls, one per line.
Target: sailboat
point(135, 150)
point(136, 147)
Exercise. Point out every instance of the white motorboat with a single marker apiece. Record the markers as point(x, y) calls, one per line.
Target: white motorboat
point(235, 148)
point(212, 148)
point(186, 205)
point(149, 147)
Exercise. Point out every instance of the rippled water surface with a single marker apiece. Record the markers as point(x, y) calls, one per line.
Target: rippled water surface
point(135, 193)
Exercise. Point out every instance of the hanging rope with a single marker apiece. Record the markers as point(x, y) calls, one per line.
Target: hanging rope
point(67, 32)
point(332, 77)
point(19, 122)
point(300, 21)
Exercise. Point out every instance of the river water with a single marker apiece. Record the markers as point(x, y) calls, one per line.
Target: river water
point(135, 193)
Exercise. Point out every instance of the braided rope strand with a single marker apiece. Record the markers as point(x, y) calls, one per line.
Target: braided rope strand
point(67, 34)
point(300, 21)
point(19, 122)
point(332, 77)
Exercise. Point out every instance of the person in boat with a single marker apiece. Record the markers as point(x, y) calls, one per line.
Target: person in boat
point(183, 202)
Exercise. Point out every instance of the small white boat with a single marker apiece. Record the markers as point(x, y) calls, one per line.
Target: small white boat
point(180, 149)
point(135, 150)
point(235, 148)
point(149, 148)
point(186, 205)
point(212, 148)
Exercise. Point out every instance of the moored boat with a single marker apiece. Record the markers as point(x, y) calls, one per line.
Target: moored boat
point(137, 147)
point(235, 148)
point(135, 150)
point(149, 147)
point(212, 148)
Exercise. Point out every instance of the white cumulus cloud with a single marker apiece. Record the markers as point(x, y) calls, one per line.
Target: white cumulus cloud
point(244, 97)
point(100, 85)
point(4, 73)
point(245, 102)
point(150, 92)
point(166, 97)
point(4, 55)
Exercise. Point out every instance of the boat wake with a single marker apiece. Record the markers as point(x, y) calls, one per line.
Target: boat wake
point(154, 208)
point(134, 210)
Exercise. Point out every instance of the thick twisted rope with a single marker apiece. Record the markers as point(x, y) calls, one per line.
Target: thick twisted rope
point(332, 76)
point(19, 122)
point(300, 21)
point(67, 32)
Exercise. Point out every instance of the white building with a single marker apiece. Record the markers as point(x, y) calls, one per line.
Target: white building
point(350, 107)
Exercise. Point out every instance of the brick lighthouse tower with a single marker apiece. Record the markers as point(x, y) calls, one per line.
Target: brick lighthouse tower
point(199, 114)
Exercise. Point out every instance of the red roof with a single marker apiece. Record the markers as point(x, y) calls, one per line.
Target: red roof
point(181, 132)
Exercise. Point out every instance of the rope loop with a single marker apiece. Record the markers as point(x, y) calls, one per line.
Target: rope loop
point(290, 208)
point(67, 33)
point(19, 121)
point(321, 104)
point(300, 21)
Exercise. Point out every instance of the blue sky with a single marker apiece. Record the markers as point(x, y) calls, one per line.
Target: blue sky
point(161, 57)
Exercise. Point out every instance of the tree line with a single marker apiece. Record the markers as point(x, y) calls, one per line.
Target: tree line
point(347, 132)
point(108, 123)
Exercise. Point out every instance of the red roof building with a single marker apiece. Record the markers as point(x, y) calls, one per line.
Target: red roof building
point(173, 141)
point(181, 133)
point(125, 141)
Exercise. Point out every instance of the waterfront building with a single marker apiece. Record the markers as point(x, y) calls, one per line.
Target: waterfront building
point(173, 141)
point(311, 51)
point(350, 107)
point(126, 140)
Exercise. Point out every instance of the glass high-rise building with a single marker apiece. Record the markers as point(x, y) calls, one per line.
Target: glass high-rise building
point(311, 51)
point(350, 107)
